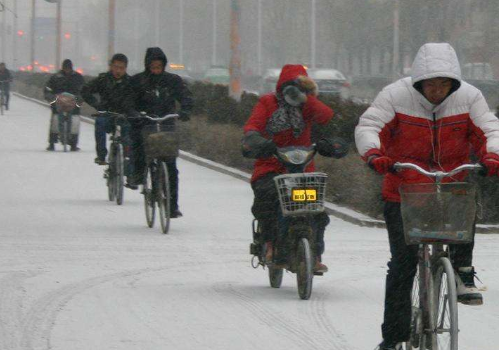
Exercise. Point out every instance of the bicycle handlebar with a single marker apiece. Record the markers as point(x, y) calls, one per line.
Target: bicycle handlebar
point(156, 118)
point(437, 174)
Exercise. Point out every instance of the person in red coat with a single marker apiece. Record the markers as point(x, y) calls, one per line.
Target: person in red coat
point(283, 119)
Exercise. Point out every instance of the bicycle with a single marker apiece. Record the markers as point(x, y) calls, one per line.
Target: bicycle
point(301, 198)
point(65, 104)
point(161, 143)
point(435, 215)
point(117, 162)
point(3, 97)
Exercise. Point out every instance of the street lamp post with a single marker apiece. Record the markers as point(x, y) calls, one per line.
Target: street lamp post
point(32, 34)
point(181, 30)
point(396, 40)
point(259, 37)
point(111, 30)
point(4, 28)
point(14, 37)
point(59, 34)
point(214, 36)
point(313, 29)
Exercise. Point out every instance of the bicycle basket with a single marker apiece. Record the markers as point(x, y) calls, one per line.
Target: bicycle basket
point(164, 143)
point(302, 193)
point(438, 213)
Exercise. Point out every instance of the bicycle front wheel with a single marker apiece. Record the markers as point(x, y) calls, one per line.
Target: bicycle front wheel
point(149, 203)
point(304, 271)
point(111, 186)
point(2, 102)
point(64, 134)
point(163, 196)
point(119, 174)
point(445, 306)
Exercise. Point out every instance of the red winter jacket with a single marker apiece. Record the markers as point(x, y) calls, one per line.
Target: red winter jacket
point(403, 125)
point(314, 111)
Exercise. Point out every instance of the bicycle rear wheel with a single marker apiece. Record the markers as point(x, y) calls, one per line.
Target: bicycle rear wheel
point(163, 196)
point(111, 186)
point(148, 192)
point(119, 174)
point(64, 134)
point(2, 102)
point(275, 277)
point(304, 269)
point(445, 312)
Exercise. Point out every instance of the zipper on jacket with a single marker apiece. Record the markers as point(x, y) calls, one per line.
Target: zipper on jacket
point(435, 139)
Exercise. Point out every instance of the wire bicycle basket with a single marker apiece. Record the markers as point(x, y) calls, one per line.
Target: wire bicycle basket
point(438, 213)
point(302, 193)
point(162, 143)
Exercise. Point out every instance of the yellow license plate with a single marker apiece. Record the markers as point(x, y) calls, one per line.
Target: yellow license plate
point(304, 195)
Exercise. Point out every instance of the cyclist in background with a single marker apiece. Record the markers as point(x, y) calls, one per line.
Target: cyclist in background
point(5, 80)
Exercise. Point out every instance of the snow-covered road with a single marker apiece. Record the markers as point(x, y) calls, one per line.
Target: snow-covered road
point(79, 272)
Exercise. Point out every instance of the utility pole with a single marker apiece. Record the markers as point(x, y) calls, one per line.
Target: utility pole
point(111, 30)
point(4, 29)
point(58, 35)
point(14, 38)
point(259, 50)
point(235, 46)
point(158, 24)
point(214, 35)
point(396, 40)
point(32, 34)
point(312, 31)
point(181, 33)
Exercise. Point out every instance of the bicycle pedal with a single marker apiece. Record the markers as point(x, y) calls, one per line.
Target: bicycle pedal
point(318, 273)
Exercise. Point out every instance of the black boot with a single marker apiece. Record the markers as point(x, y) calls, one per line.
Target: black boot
point(51, 147)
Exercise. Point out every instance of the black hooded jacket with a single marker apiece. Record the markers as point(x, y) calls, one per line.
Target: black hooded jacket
point(62, 82)
point(158, 94)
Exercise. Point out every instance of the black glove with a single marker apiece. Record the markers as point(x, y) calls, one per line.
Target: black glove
point(183, 116)
point(335, 147)
point(294, 96)
point(257, 146)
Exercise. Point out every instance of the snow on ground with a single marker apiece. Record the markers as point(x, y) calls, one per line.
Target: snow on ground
point(79, 272)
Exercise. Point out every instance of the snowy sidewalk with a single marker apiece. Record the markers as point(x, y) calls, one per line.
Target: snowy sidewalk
point(79, 272)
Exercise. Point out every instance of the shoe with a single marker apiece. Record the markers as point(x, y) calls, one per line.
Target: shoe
point(467, 292)
point(174, 214)
point(75, 149)
point(51, 147)
point(389, 346)
point(131, 185)
point(99, 161)
point(320, 267)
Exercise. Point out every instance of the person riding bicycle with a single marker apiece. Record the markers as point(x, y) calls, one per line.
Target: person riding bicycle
point(66, 80)
point(283, 119)
point(157, 92)
point(5, 80)
point(432, 119)
point(115, 95)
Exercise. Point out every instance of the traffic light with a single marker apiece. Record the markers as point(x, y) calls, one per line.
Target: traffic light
point(20, 32)
point(67, 36)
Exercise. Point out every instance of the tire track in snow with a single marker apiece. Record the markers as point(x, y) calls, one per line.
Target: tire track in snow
point(36, 327)
point(286, 327)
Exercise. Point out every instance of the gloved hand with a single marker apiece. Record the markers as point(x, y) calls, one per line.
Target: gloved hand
point(335, 147)
point(257, 146)
point(183, 116)
point(491, 166)
point(382, 164)
point(294, 96)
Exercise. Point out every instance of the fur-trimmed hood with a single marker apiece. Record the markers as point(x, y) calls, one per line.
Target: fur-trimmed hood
point(297, 74)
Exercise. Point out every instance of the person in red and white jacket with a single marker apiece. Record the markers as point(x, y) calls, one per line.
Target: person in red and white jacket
point(284, 119)
point(435, 120)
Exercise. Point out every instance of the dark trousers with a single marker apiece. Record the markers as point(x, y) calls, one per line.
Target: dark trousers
point(6, 92)
point(105, 125)
point(266, 209)
point(54, 137)
point(401, 271)
point(138, 160)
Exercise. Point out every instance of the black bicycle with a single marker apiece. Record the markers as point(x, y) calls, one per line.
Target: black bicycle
point(3, 96)
point(161, 143)
point(117, 162)
point(65, 104)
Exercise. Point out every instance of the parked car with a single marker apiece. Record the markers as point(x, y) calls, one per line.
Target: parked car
point(269, 80)
point(477, 71)
point(217, 75)
point(330, 82)
point(180, 70)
